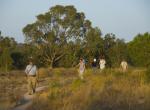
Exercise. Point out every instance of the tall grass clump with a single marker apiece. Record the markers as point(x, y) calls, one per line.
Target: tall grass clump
point(147, 74)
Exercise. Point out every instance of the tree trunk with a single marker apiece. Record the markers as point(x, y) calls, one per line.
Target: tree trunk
point(51, 64)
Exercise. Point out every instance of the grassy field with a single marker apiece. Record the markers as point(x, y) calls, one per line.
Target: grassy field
point(12, 86)
point(110, 89)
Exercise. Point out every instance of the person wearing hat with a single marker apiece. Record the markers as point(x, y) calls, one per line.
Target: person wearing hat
point(31, 72)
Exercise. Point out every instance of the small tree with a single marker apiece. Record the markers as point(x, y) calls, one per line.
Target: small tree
point(7, 45)
point(5, 60)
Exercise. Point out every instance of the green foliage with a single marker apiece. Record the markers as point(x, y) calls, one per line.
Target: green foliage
point(21, 54)
point(6, 46)
point(59, 29)
point(139, 50)
point(61, 36)
point(5, 61)
point(115, 50)
point(53, 30)
point(94, 45)
point(18, 60)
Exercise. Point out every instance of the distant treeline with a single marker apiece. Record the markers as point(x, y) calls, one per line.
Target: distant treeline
point(61, 36)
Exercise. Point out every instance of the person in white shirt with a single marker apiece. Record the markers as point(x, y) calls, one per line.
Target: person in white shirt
point(102, 63)
point(31, 72)
point(124, 66)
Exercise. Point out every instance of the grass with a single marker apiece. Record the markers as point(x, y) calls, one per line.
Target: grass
point(110, 89)
point(12, 86)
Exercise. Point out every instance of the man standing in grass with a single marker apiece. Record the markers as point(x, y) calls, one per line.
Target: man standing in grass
point(31, 72)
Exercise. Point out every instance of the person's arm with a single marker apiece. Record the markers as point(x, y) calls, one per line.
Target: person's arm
point(77, 65)
point(26, 71)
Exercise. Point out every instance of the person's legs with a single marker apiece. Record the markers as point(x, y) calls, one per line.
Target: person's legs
point(81, 74)
point(33, 84)
point(29, 85)
point(124, 69)
point(94, 70)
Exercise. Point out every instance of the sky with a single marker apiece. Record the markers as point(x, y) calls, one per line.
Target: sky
point(124, 18)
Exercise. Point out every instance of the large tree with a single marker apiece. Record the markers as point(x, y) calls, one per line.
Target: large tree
point(115, 50)
point(54, 30)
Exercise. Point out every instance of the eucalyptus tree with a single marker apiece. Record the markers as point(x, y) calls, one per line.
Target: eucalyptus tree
point(53, 31)
point(115, 50)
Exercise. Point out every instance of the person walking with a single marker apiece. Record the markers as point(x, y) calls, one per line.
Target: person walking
point(81, 68)
point(124, 66)
point(31, 72)
point(102, 63)
point(94, 65)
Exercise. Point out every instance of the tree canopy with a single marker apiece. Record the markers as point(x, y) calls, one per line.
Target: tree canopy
point(61, 36)
point(55, 30)
point(6, 46)
point(139, 50)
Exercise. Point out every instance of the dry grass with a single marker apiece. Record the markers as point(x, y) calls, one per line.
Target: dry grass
point(12, 86)
point(110, 89)
point(107, 90)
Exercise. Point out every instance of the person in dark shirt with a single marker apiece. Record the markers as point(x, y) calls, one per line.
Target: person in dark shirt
point(94, 65)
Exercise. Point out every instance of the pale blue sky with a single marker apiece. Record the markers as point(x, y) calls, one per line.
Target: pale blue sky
point(125, 18)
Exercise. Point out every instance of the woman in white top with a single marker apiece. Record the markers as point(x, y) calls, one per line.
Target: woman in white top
point(102, 63)
point(81, 68)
